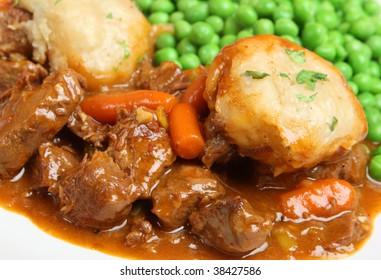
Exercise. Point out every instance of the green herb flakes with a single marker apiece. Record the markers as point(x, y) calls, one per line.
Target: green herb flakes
point(284, 75)
point(126, 49)
point(310, 78)
point(255, 74)
point(297, 56)
point(333, 123)
point(57, 2)
point(306, 99)
point(110, 16)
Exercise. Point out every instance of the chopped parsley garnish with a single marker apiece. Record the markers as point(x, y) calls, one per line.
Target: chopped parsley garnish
point(57, 1)
point(15, 3)
point(306, 99)
point(284, 75)
point(255, 74)
point(126, 49)
point(333, 123)
point(310, 78)
point(110, 16)
point(297, 56)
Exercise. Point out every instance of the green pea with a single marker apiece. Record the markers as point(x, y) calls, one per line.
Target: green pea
point(263, 26)
point(375, 162)
point(358, 61)
point(335, 37)
point(363, 81)
point(231, 26)
point(372, 7)
point(353, 46)
point(265, 8)
point(158, 17)
point(244, 34)
point(207, 53)
point(304, 11)
point(337, 3)
point(222, 8)
point(374, 69)
point(185, 5)
point(375, 86)
point(144, 5)
point(198, 12)
point(295, 40)
point(182, 29)
point(341, 53)
point(367, 99)
point(328, 19)
point(326, 51)
point(286, 26)
point(201, 33)
point(326, 6)
point(246, 15)
point(313, 34)
point(227, 40)
point(185, 46)
point(373, 116)
point(215, 40)
point(189, 61)
point(354, 87)
point(176, 16)
point(378, 103)
point(377, 25)
point(374, 42)
point(377, 151)
point(164, 6)
point(374, 134)
point(354, 15)
point(165, 54)
point(216, 23)
point(280, 12)
point(165, 40)
point(345, 69)
point(362, 28)
point(344, 27)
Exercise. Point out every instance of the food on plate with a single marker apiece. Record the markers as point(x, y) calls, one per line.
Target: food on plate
point(221, 148)
point(116, 33)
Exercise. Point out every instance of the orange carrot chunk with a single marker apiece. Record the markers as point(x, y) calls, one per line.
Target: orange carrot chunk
point(194, 95)
point(185, 132)
point(322, 198)
point(104, 107)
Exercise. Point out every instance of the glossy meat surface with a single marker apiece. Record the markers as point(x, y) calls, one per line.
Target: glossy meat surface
point(231, 225)
point(288, 114)
point(98, 194)
point(182, 191)
point(33, 115)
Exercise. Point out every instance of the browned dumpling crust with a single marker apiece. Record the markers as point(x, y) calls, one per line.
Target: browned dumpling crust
point(282, 104)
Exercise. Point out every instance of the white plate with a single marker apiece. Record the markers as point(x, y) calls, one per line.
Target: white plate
point(20, 240)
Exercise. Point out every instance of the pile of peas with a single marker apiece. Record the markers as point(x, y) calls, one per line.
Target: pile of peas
point(344, 32)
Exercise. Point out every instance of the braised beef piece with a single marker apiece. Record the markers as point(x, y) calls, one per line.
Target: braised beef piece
point(33, 115)
point(87, 128)
point(12, 71)
point(231, 225)
point(351, 167)
point(98, 194)
point(182, 191)
point(168, 77)
point(217, 147)
point(50, 164)
point(13, 37)
point(141, 147)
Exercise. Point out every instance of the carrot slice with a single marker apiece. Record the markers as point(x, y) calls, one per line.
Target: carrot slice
point(185, 132)
point(322, 198)
point(104, 107)
point(194, 95)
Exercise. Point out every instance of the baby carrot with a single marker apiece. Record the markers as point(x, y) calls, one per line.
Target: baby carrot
point(194, 95)
point(321, 198)
point(185, 132)
point(104, 107)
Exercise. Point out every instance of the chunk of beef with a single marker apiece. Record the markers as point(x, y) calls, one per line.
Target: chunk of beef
point(12, 71)
point(352, 167)
point(168, 77)
point(87, 128)
point(50, 164)
point(141, 147)
point(98, 194)
point(217, 147)
point(231, 225)
point(182, 191)
point(140, 229)
point(13, 38)
point(34, 115)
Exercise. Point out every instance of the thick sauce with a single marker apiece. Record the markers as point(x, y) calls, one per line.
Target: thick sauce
point(43, 211)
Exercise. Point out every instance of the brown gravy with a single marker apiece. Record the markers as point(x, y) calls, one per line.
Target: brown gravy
point(43, 211)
